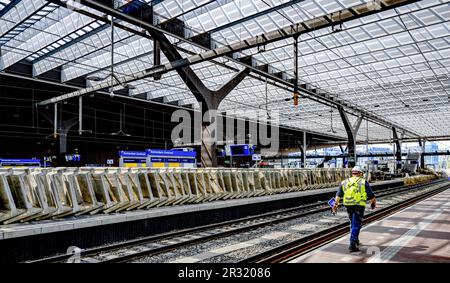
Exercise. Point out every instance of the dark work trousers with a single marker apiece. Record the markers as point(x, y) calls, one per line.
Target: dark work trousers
point(355, 214)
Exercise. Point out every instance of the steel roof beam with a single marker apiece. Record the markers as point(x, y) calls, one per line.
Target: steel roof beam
point(19, 24)
point(254, 16)
point(382, 141)
point(26, 13)
point(8, 7)
point(84, 36)
point(72, 42)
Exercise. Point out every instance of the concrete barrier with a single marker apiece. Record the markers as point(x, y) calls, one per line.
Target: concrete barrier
point(414, 180)
point(26, 206)
point(37, 194)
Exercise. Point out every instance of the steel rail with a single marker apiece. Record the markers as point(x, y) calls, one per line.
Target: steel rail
point(297, 248)
point(152, 252)
point(293, 213)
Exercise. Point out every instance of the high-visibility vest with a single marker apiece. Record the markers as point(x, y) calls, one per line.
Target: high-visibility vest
point(354, 191)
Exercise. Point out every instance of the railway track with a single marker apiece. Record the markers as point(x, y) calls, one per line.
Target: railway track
point(163, 243)
point(289, 251)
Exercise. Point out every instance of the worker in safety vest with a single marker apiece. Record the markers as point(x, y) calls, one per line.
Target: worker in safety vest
point(355, 192)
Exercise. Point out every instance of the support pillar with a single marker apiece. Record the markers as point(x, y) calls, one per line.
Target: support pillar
point(343, 152)
point(422, 153)
point(66, 126)
point(209, 140)
point(80, 115)
point(351, 135)
point(398, 149)
point(60, 130)
point(55, 120)
point(157, 57)
point(304, 148)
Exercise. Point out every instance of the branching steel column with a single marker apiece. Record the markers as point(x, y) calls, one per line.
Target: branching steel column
point(157, 57)
point(422, 153)
point(351, 134)
point(210, 100)
point(398, 148)
point(60, 131)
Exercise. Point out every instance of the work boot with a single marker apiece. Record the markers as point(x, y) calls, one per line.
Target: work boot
point(353, 248)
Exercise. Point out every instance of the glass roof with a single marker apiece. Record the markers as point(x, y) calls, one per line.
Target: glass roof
point(395, 63)
point(4, 3)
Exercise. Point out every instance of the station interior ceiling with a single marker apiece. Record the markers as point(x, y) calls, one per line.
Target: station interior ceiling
point(394, 64)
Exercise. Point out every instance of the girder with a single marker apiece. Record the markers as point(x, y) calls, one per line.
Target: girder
point(321, 22)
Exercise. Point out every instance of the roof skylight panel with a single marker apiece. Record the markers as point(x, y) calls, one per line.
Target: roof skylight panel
point(4, 3)
point(440, 43)
point(171, 6)
point(80, 32)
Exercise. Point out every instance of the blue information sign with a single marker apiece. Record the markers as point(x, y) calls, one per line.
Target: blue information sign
point(128, 160)
point(176, 153)
point(187, 160)
point(331, 202)
point(20, 162)
point(133, 154)
point(241, 150)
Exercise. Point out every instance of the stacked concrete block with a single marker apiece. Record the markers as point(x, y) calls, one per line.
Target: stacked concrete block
point(414, 180)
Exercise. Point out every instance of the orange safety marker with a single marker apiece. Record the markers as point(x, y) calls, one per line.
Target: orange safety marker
point(296, 97)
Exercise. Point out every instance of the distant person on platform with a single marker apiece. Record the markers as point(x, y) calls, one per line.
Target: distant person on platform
point(355, 191)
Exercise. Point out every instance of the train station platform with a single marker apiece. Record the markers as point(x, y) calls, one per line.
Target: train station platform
point(418, 234)
point(18, 242)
